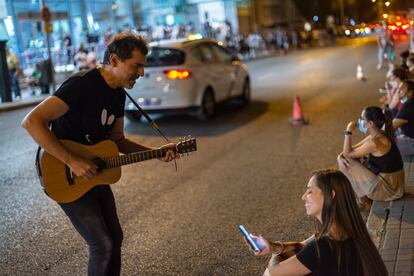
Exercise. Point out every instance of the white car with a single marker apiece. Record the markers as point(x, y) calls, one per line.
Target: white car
point(188, 76)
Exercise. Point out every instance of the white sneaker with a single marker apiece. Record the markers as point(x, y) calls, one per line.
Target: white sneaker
point(379, 66)
point(18, 98)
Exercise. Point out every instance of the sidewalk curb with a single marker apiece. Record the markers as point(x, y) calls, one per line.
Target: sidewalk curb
point(391, 226)
point(21, 104)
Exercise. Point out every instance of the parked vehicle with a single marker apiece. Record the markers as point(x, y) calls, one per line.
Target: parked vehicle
point(188, 76)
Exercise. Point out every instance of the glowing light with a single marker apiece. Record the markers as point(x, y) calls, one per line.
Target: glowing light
point(385, 15)
point(194, 36)
point(387, 3)
point(367, 30)
point(347, 32)
point(177, 74)
point(357, 31)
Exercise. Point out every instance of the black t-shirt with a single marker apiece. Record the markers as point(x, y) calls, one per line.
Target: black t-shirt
point(407, 113)
point(93, 108)
point(336, 258)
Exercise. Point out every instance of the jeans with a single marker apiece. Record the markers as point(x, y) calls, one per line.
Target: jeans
point(14, 81)
point(405, 145)
point(94, 217)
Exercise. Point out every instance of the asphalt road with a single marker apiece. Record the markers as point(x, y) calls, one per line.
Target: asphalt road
point(251, 168)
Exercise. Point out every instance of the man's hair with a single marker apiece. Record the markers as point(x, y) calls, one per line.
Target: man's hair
point(340, 210)
point(123, 44)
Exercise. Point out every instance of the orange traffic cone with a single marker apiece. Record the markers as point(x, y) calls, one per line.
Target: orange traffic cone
point(298, 118)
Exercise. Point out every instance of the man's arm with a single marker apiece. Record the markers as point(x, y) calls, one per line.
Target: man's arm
point(127, 146)
point(124, 145)
point(36, 124)
point(397, 123)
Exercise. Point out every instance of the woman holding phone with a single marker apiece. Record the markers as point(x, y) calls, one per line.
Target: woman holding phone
point(341, 244)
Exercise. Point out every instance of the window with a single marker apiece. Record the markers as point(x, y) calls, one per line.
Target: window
point(221, 55)
point(158, 56)
point(206, 53)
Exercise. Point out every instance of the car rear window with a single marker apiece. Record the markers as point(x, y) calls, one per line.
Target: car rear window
point(158, 56)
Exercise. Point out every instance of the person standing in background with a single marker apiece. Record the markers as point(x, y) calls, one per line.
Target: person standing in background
point(14, 72)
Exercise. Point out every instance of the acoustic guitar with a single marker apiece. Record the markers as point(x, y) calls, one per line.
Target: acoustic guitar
point(63, 186)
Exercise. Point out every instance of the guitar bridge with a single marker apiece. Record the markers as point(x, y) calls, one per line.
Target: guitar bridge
point(69, 175)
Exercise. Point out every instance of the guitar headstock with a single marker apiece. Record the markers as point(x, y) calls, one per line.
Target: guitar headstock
point(186, 145)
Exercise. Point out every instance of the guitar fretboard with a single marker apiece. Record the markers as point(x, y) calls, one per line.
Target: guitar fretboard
point(121, 160)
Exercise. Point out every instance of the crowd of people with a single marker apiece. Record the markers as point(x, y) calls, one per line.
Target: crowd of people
point(371, 169)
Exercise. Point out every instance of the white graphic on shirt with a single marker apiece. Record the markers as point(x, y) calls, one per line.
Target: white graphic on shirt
point(104, 118)
point(87, 137)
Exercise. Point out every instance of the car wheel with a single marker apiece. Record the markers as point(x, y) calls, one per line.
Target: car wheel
point(246, 93)
point(133, 115)
point(208, 106)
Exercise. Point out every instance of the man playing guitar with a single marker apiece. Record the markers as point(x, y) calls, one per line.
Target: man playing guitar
point(89, 108)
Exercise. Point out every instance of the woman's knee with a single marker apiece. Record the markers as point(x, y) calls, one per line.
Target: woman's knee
point(340, 162)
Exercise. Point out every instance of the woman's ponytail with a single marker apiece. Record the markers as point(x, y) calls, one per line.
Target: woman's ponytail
point(389, 131)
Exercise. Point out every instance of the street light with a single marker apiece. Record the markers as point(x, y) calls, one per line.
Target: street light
point(387, 3)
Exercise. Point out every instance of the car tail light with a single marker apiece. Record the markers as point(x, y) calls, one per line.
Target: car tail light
point(177, 74)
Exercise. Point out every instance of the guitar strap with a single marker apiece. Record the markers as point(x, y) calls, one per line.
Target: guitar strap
point(151, 122)
point(153, 125)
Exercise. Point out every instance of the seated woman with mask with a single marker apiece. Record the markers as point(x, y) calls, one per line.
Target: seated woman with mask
point(404, 120)
point(379, 175)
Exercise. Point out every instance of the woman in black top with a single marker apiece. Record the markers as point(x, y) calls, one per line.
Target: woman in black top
point(374, 165)
point(341, 245)
point(404, 120)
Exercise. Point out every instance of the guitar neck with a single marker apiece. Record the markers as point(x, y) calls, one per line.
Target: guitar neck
point(121, 160)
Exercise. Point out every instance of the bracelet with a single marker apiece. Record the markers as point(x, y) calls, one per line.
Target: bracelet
point(347, 132)
point(279, 246)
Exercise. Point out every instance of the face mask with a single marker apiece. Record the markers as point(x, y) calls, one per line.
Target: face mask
point(361, 126)
point(404, 100)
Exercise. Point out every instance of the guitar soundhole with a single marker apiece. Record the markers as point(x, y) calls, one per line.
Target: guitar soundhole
point(100, 164)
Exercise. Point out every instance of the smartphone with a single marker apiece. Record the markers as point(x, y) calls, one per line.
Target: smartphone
point(382, 90)
point(249, 238)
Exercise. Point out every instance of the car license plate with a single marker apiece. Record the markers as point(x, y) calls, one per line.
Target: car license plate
point(153, 101)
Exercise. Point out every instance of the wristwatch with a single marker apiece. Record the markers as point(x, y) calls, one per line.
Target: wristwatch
point(347, 132)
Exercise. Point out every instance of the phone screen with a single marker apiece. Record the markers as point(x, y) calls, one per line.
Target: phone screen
point(248, 238)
